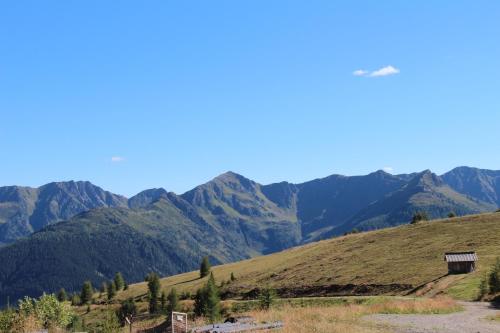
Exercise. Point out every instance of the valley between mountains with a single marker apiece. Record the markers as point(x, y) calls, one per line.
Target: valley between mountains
point(62, 234)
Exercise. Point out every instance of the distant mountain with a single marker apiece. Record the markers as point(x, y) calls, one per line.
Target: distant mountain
point(324, 204)
point(24, 210)
point(481, 184)
point(234, 204)
point(228, 218)
point(147, 197)
point(425, 192)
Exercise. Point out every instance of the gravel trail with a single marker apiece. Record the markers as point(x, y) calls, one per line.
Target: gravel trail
point(472, 320)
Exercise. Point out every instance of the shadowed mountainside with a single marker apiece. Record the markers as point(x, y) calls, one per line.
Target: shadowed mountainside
point(24, 210)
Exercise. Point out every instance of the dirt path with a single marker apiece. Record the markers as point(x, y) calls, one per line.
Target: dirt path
point(472, 320)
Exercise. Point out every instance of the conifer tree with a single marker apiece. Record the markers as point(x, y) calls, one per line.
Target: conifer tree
point(200, 302)
point(154, 290)
point(119, 282)
point(86, 294)
point(62, 296)
point(232, 276)
point(173, 301)
point(212, 300)
point(204, 267)
point(111, 290)
point(163, 301)
point(267, 297)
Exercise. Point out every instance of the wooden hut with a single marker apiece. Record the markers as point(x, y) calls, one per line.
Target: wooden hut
point(461, 262)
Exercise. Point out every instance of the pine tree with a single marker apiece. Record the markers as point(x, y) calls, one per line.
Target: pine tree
point(119, 282)
point(200, 302)
point(125, 286)
point(62, 296)
point(87, 291)
point(154, 290)
point(232, 277)
point(212, 300)
point(267, 297)
point(163, 301)
point(111, 290)
point(204, 267)
point(173, 301)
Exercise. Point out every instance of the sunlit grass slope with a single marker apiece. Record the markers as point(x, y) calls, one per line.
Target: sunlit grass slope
point(389, 261)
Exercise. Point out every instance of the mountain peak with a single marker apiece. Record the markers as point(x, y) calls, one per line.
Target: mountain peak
point(229, 175)
point(426, 179)
point(147, 197)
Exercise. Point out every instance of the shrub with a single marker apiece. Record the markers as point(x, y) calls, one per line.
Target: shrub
point(75, 300)
point(494, 278)
point(185, 295)
point(110, 324)
point(418, 217)
point(127, 309)
point(484, 288)
point(7, 320)
point(47, 310)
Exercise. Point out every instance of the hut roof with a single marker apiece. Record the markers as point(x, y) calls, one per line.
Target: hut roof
point(460, 256)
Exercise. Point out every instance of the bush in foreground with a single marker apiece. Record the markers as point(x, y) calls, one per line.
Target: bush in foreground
point(45, 312)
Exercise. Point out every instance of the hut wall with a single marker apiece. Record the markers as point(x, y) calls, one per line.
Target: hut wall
point(461, 267)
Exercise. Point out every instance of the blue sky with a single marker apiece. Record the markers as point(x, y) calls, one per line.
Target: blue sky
point(132, 95)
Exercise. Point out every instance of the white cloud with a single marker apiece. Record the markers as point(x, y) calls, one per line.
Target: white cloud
point(384, 71)
point(117, 159)
point(388, 169)
point(360, 72)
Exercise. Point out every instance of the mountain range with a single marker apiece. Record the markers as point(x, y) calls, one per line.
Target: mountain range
point(60, 234)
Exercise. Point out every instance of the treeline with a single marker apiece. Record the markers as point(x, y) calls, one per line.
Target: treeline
point(86, 295)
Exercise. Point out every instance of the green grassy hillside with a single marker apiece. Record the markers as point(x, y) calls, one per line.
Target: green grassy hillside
point(389, 261)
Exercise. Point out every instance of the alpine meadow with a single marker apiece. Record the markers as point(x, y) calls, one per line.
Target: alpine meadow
point(249, 166)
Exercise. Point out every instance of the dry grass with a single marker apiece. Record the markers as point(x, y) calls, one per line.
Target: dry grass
point(439, 305)
point(347, 318)
point(342, 319)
